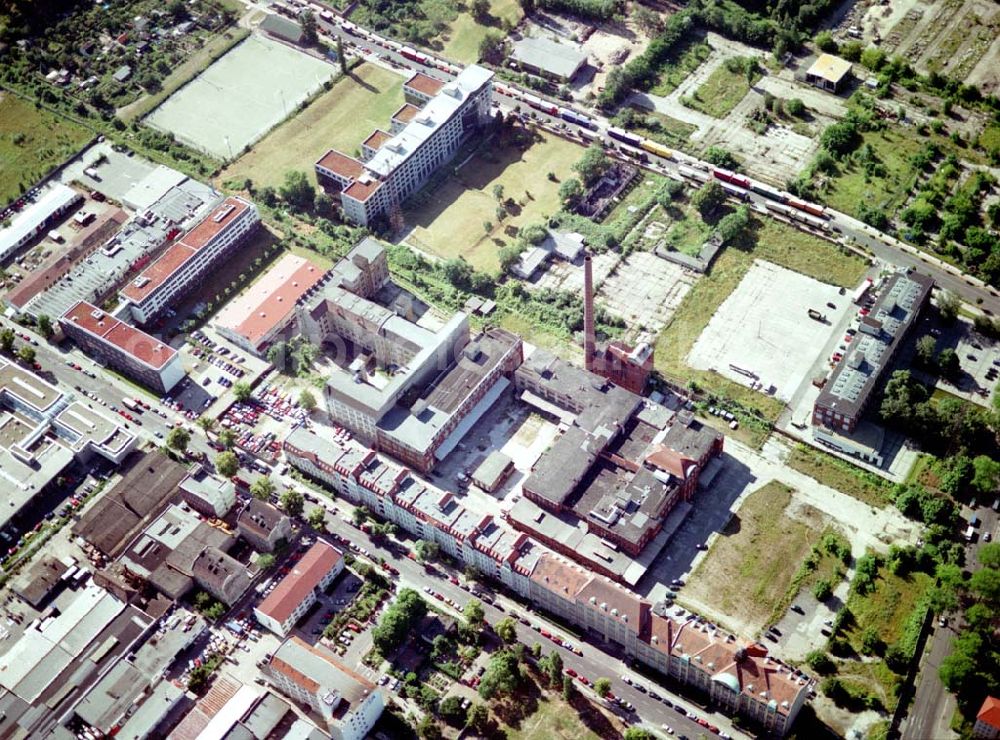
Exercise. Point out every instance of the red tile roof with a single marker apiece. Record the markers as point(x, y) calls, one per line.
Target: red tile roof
point(670, 461)
point(208, 228)
point(990, 712)
point(304, 577)
point(215, 223)
point(406, 114)
point(424, 84)
point(362, 191)
point(139, 344)
point(157, 273)
point(377, 139)
point(271, 299)
point(341, 164)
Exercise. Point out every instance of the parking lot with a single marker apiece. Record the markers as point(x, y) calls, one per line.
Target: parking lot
point(761, 334)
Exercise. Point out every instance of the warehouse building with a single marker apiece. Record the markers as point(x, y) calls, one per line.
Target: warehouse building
point(421, 141)
point(186, 263)
point(36, 218)
point(135, 353)
point(547, 58)
point(850, 388)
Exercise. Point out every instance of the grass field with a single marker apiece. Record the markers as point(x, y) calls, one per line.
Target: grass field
point(840, 474)
point(32, 141)
point(668, 130)
point(187, 70)
point(773, 241)
point(749, 568)
point(673, 73)
point(688, 232)
point(340, 118)
point(448, 216)
point(721, 92)
point(553, 719)
point(461, 41)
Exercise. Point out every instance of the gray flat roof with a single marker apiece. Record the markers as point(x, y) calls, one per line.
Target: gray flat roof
point(550, 56)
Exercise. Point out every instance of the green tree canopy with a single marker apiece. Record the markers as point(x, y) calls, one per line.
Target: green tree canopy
point(226, 463)
point(502, 676)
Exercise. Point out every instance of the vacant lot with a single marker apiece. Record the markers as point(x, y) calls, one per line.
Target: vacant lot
point(674, 72)
point(750, 566)
point(32, 141)
point(772, 241)
point(340, 118)
point(449, 217)
point(460, 42)
point(241, 97)
point(722, 91)
point(840, 474)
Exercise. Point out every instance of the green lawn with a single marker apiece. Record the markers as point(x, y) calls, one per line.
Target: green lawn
point(772, 241)
point(721, 92)
point(460, 42)
point(186, 71)
point(340, 118)
point(749, 568)
point(840, 474)
point(673, 73)
point(32, 141)
point(448, 216)
point(555, 719)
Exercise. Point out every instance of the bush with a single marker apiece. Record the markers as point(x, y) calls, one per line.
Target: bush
point(822, 590)
point(820, 662)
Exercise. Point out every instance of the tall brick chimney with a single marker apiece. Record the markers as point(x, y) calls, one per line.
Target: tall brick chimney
point(589, 338)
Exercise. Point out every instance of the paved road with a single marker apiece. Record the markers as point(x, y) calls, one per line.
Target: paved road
point(932, 705)
point(382, 51)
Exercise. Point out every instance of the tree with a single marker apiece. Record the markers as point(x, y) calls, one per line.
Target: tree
point(359, 516)
point(948, 304)
point(307, 400)
point(491, 47)
point(989, 555)
point(480, 10)
point(648, 21)
point(396, 621)
point(317, 519)
point(840, 138)
point(949, 363)
point(926, 347)
point(242, 390)
point(957, 671)
point(262, 488)
point(297, 192)
point(308, 23)
point(207, 424)
point(568, 689)
point(44, 326)
point(265, 561)
point(428, 729)
point(795, 107)
point(426, 551)
point(602, 686)
point(474, 614)
point(6, 340)
point(292, 502)
point(226, 463)
point(227, 438)
point(822, 590)
point(26, 354)
point(178, 439)
point(592, 164)
point(732, 225)
point(985, 585)
point(506, 630)
point(478, 717)
point(451, 710)
point(570, 192)
point(820, 662)
point(552, 664)
point(871, 643)
point(824, 42)
point(498, 192)
point(340, 55)
point(637, 733)
point(987, 474)
point(708, 198)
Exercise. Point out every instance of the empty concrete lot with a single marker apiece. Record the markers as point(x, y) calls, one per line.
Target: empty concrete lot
point(764, 330)
point(241, 97)
point(645, 291)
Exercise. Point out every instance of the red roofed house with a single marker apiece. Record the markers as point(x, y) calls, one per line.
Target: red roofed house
point(988, 719)
point(297, 592)
point(135, 353)
point(187, 262)
point(253, 320)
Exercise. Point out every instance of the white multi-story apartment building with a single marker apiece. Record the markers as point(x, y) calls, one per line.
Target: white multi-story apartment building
point(349, 703)
point(297, 592)
point(397, 165)
point(186, 262)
